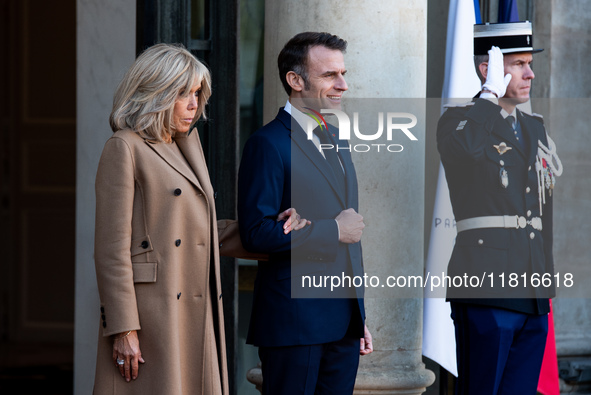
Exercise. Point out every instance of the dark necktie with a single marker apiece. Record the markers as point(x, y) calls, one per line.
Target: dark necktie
point(516, 130)
point(332, 158)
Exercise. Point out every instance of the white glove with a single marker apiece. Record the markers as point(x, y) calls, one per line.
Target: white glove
point(496, 81)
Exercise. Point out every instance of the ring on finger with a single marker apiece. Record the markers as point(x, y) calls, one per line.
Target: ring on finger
point(120, 362)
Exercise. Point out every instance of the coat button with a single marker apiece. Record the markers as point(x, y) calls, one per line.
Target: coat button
point(532, 235)
point(104, 324)
point(502, 163)
point(103, 317)
point(177, 192)
point(480, 242)
point(145, 244)
point(527, 190)
point(102, 309)
point(529, 213)
point(178, 242)
point(529, 168)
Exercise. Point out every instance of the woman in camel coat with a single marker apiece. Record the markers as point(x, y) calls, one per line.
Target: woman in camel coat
point(156, 255)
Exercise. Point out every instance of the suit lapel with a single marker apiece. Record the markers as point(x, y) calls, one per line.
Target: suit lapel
point(308, 148)
point(344, 154)
point(350, 175)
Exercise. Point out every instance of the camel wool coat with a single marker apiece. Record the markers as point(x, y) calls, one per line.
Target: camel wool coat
point(157, 266)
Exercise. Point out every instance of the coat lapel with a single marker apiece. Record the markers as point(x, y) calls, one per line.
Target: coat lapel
point(177, 163)
point(507, 134)
point(190, 146)
point(502, 129)
point(530, 137)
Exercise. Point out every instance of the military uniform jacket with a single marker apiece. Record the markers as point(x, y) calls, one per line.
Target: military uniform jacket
point(468, 140)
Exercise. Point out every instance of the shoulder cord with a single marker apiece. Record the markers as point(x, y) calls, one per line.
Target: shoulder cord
point(549, 155)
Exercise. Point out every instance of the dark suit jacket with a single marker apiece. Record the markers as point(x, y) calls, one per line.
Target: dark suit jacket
point(280, 168)
point(466, 137)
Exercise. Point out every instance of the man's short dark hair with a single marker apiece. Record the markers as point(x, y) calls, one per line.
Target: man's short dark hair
point(478, 59)
point(294, 55)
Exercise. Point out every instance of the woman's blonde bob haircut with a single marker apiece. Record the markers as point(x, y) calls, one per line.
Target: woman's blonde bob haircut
point(144, 100)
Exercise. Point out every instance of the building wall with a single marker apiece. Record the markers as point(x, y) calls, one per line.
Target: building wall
point(567, 40)
point(105, 50)
point(570, 43)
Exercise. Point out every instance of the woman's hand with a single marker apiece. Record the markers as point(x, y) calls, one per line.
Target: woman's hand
point(293, 221)
point(126, 348)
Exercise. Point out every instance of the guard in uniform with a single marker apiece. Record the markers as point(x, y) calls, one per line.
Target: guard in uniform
point(500, 166)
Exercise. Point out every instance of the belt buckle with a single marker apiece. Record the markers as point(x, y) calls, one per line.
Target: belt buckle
point(521, 222)
point(535, 223)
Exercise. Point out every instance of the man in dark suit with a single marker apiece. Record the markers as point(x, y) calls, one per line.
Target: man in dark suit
point(500, 166)
point(308, 338)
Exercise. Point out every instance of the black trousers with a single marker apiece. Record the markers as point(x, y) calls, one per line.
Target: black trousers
point(319, 369)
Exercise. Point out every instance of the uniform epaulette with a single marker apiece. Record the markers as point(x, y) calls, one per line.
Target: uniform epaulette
point(537, 117)
point(452, 105)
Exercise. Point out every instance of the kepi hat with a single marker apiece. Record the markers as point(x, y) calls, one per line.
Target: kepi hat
point(510, 37)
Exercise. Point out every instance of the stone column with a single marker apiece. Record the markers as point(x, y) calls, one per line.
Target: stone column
point(561, 28)
point(386, 58)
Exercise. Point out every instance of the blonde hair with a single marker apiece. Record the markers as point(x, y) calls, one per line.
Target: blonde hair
point(144, 100)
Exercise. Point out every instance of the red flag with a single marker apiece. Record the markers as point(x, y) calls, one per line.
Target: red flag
point(548, 382)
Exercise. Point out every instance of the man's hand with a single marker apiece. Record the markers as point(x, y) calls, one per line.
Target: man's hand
point(292, 219)
point(496, 80)
point(366, 344)
point(350, 226)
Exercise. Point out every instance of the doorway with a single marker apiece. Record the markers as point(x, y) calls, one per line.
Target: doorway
point(37, 195)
